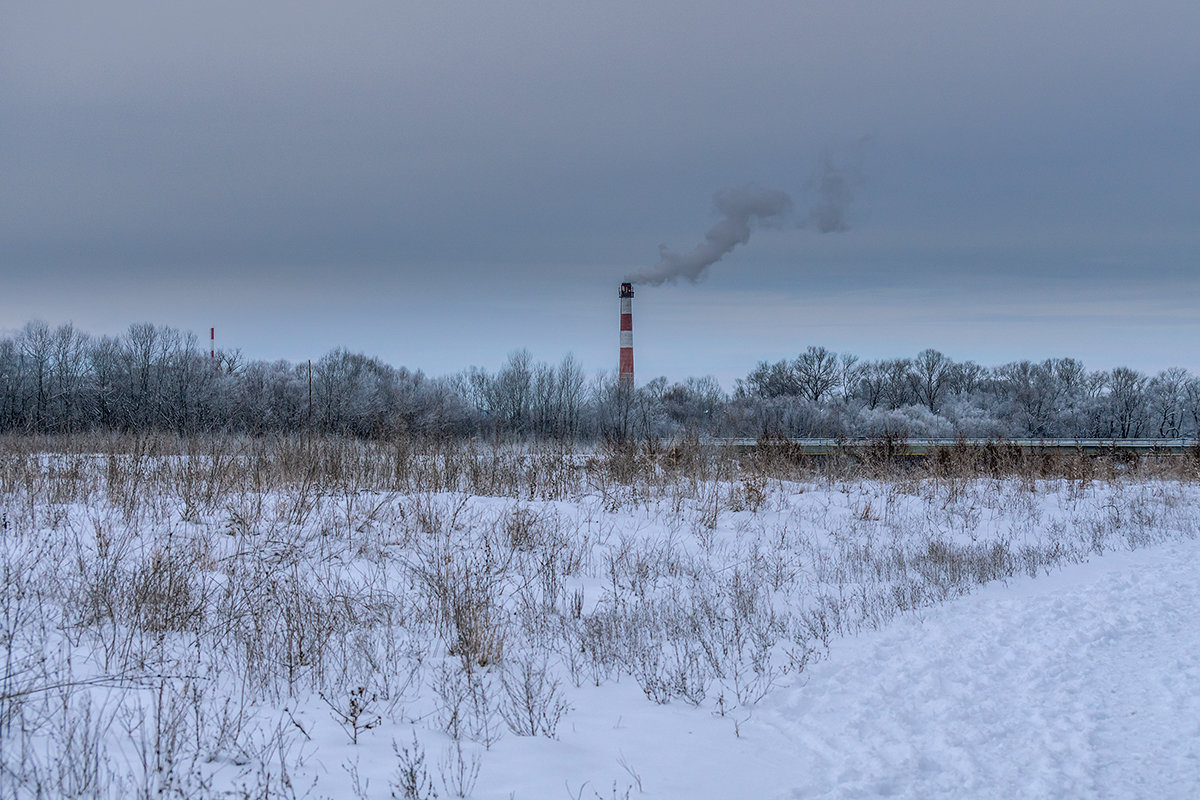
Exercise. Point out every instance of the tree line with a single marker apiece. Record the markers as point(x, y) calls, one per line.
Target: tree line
point(154, 378)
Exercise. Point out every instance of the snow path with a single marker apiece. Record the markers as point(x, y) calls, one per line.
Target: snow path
point(1083, 683)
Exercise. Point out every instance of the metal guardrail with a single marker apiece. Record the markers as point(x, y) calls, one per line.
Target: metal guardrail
point(920, 447)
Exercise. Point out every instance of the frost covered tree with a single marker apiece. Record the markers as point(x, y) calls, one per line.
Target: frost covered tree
point(816, 373)
point(1127, 402)
point(151, 378)
point(929, 375)
point(1167, 393)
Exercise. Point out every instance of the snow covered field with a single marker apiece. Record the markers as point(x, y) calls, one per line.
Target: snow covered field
point(1085, 683)
point(260, 619)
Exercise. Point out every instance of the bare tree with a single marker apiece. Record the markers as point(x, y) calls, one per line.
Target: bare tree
point(571, 382)
point(36, 344)
point(11, 381)
point(897, 387)
point(69, 372)
point(1167, 394)
point(1033, 392)
point(104, 365)
point(966, 377)
point(144, 350)
point(1191, 395)
point(930, 375)
point(817, 372)
point(694, 404)
point(513, 387)
point(772, 380)
point(849, 373)
point(872, 380)
point(1127, 402)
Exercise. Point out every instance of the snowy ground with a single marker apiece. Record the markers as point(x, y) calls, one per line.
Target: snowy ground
point(1083, 683)
point(239, 623)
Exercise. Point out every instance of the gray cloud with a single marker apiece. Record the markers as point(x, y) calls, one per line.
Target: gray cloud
point(147, 144)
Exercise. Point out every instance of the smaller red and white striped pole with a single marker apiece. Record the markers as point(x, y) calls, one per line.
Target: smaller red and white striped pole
point(212, 343)
point(625, 373)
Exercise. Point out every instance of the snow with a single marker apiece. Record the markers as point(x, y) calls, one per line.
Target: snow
point(1083, 683)
point(1082, 680)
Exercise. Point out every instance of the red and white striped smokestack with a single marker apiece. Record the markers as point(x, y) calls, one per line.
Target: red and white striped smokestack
point(212, 343)
point(625, 374)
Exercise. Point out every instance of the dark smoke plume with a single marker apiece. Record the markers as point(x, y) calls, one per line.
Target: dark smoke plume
point(830, 187)
point(739, 207)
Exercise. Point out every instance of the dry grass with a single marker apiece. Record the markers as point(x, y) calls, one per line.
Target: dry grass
point(164, 597)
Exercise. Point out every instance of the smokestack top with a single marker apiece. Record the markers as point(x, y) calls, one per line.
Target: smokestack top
point(626, 290)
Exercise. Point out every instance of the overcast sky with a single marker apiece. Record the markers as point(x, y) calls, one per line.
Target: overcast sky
point(439, 183)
